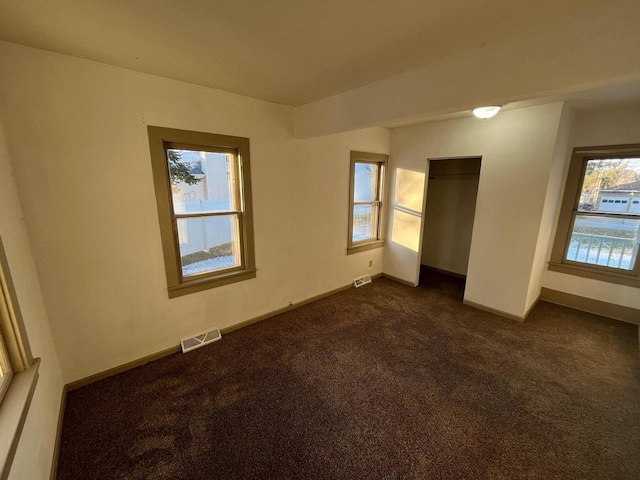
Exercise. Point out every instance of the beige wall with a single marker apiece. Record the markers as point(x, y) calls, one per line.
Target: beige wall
point(79, 147)
point(606, 128)
point(34, 454)
point(517, 149)
point(553, 198)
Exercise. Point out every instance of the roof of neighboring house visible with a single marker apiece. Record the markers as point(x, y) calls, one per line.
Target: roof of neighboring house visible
point(624, 187)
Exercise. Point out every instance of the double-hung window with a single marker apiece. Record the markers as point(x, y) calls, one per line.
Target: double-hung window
point(366, 201)
point(13, 345)
point(599, 228)
point(18, 369)
point(203, 192)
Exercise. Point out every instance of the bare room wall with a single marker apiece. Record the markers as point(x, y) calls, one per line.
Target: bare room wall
point(80, 152)
point(552, 201)
point(517, 149)
point(35, 451)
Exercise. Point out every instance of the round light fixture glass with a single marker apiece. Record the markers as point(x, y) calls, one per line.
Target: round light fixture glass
point(486, 112)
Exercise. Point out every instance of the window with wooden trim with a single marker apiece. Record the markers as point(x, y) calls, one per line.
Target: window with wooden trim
point(6, 314)
point(15, 355)
point(203, 193)
point(366, 201)
point(598, 232)
point(6, 369)
point(18, 368)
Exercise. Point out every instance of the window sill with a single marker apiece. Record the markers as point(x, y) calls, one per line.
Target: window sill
point(586, 272)
point(13, 413)
point(199, 285)
point(364, 247)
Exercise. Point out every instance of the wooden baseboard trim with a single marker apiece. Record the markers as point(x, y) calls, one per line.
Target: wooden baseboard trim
point(589, 305)
point(121, 368)
point(444, 272)
point(494, 311)
point(399, 280)
point(273, 313)
point(169, 351)
point(526, 314)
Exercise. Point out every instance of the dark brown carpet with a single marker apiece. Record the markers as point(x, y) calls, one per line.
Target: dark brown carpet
point(380, 382)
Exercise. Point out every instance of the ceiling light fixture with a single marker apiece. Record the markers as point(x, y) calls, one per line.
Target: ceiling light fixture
point(486, 112)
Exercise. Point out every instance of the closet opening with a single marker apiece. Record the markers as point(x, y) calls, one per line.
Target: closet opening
point(452, 189)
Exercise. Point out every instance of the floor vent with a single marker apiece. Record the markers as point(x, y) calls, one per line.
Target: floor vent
point(200, 340)
point(358, 282)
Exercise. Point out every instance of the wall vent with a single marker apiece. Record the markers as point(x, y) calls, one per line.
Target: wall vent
point(358, 282)
point(200, 340)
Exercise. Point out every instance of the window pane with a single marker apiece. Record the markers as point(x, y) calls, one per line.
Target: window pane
point(5, 368)
point(611, 185)
point(365, 223)
point(365, 188)
point(202, 181)
point(4, 364)
point(607, 241)
point(208, 244)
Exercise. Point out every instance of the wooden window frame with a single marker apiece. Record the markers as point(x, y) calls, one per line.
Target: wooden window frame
point(20, 384)
point(13, 337)
point(569, 210)
point(382, 162)
point(6, 368)
point(160, 139)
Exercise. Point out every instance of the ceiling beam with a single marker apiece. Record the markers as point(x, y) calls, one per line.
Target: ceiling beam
point(589, 53)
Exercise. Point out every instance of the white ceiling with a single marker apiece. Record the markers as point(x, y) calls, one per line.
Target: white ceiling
point(288, 51)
